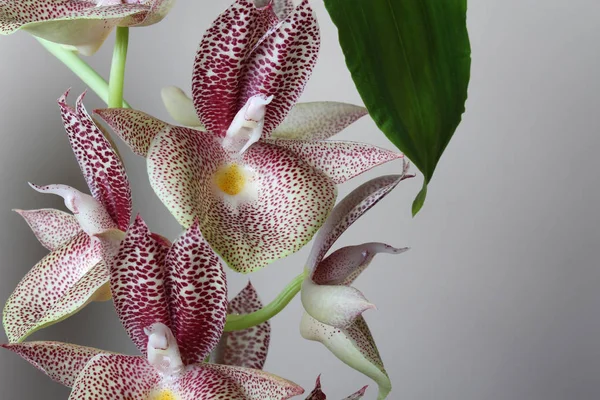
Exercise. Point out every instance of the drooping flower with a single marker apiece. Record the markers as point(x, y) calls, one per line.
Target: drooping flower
point(81, 24)
point(333, 307)
point(249, 347)
point(172, 301)
point(257, 198)
point(75, 272)
point(317, 393)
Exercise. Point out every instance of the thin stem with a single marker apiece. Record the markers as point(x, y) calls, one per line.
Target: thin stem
point(117, 69)
point(80, 68)
point(245, 321)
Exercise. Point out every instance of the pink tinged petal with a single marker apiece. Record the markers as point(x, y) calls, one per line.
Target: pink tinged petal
point(115, 377)
point(344, 265)
point(256, 384)
point(91, 214)
point(283, 202)
point(317, 393)
point(135, 128)
point(58, 286)
point(281, 64)
point(337, 306)
point(349, 210)
point(101, 166)
point(247, 348)
point(180, 107)
point(339, 160)
point(137, 283)
point(222, 60)
point(358, 395)
point(197, 293)
point(53, 228)
point(317, 120)
point(62, 362)
point(158, 10)
point(71, 22)
point(354, 346)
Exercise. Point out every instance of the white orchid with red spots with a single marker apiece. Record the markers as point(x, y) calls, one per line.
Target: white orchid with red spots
point(333, 307)
point(75, 272)
point(172, 301)
point(257, 197)
point(82, 24)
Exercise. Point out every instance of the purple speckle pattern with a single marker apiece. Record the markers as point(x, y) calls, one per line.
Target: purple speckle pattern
point(317, 393)
point(53, 228)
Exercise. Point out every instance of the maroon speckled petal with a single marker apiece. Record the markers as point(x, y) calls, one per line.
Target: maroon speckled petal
point(317, 393)
point(135, 128)
point(354, 346)
point(337, 159)
point(99, 163)
point(53, 228)
point(197, 293)
point(221, 62)
point(50, 292)
point(137, 283)
point(344, 265)
point(115, 377)
point(247, 348)
point(62, 362)
point(283, 203)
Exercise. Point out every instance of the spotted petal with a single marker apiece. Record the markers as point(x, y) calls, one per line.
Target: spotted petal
point(252, 210)
point(338, 159)
point(137, 283)
point(197, 293)
point(317, 393)
point(82, 24)
point(53, 228)
point(99, 163)
point(62, 362)
point(318, 120)
point(247, 348)
point(354, 346)
point(58, 286)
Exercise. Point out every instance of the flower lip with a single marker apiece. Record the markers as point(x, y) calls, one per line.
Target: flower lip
point(230, 179)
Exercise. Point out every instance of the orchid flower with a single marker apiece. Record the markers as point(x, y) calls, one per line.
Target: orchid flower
point(172, 301)
point(317, 393)
point(333, 307)
point(75, 272)
point(256, 198)
point(82, 24)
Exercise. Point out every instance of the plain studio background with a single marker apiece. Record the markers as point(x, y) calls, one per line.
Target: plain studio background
point(498, 298)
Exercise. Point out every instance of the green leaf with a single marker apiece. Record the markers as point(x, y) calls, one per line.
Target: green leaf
point(410, 61)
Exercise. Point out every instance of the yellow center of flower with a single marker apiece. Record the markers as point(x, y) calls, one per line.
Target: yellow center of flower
point(230, 179)
point(164, 394)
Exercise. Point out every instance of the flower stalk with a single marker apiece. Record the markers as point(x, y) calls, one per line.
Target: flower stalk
point(117, 69)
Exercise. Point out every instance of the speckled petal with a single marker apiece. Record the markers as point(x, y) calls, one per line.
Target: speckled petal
point(349, 210)
point(62, 362)
point(317, 393)
point(354, 346)
point(48, 293)
point(158, 9)
point(318, 120)
point(137, 283)
point(283, 203)
point(256, 384)
point(282, 63)
point(338, 160)
point(357, 395)
point(115, 377)
point(180, 107)
point(247, 348)
point(53, 228)
point(77, 23)
point(222, 60)
point(283, 8)
point(344, 265)
point(135, 128)
point(197, 293)
point(99, 163)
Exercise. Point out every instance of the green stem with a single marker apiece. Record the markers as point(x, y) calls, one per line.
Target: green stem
point(245, 321)
point(117, 69)
point(80, 68)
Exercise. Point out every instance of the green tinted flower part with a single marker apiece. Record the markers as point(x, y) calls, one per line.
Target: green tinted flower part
point(317, 393)
point(82, 24)
point(75, 272)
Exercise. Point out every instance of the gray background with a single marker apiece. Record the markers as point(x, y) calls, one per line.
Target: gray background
point(498, 297)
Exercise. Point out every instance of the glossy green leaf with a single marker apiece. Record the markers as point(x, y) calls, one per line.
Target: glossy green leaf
point(410, 61)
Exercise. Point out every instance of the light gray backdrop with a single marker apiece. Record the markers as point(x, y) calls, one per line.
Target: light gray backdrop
point(498, 298)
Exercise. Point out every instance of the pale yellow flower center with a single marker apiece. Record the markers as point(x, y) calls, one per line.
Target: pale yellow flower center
point(164, 394)
point(231, 179)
